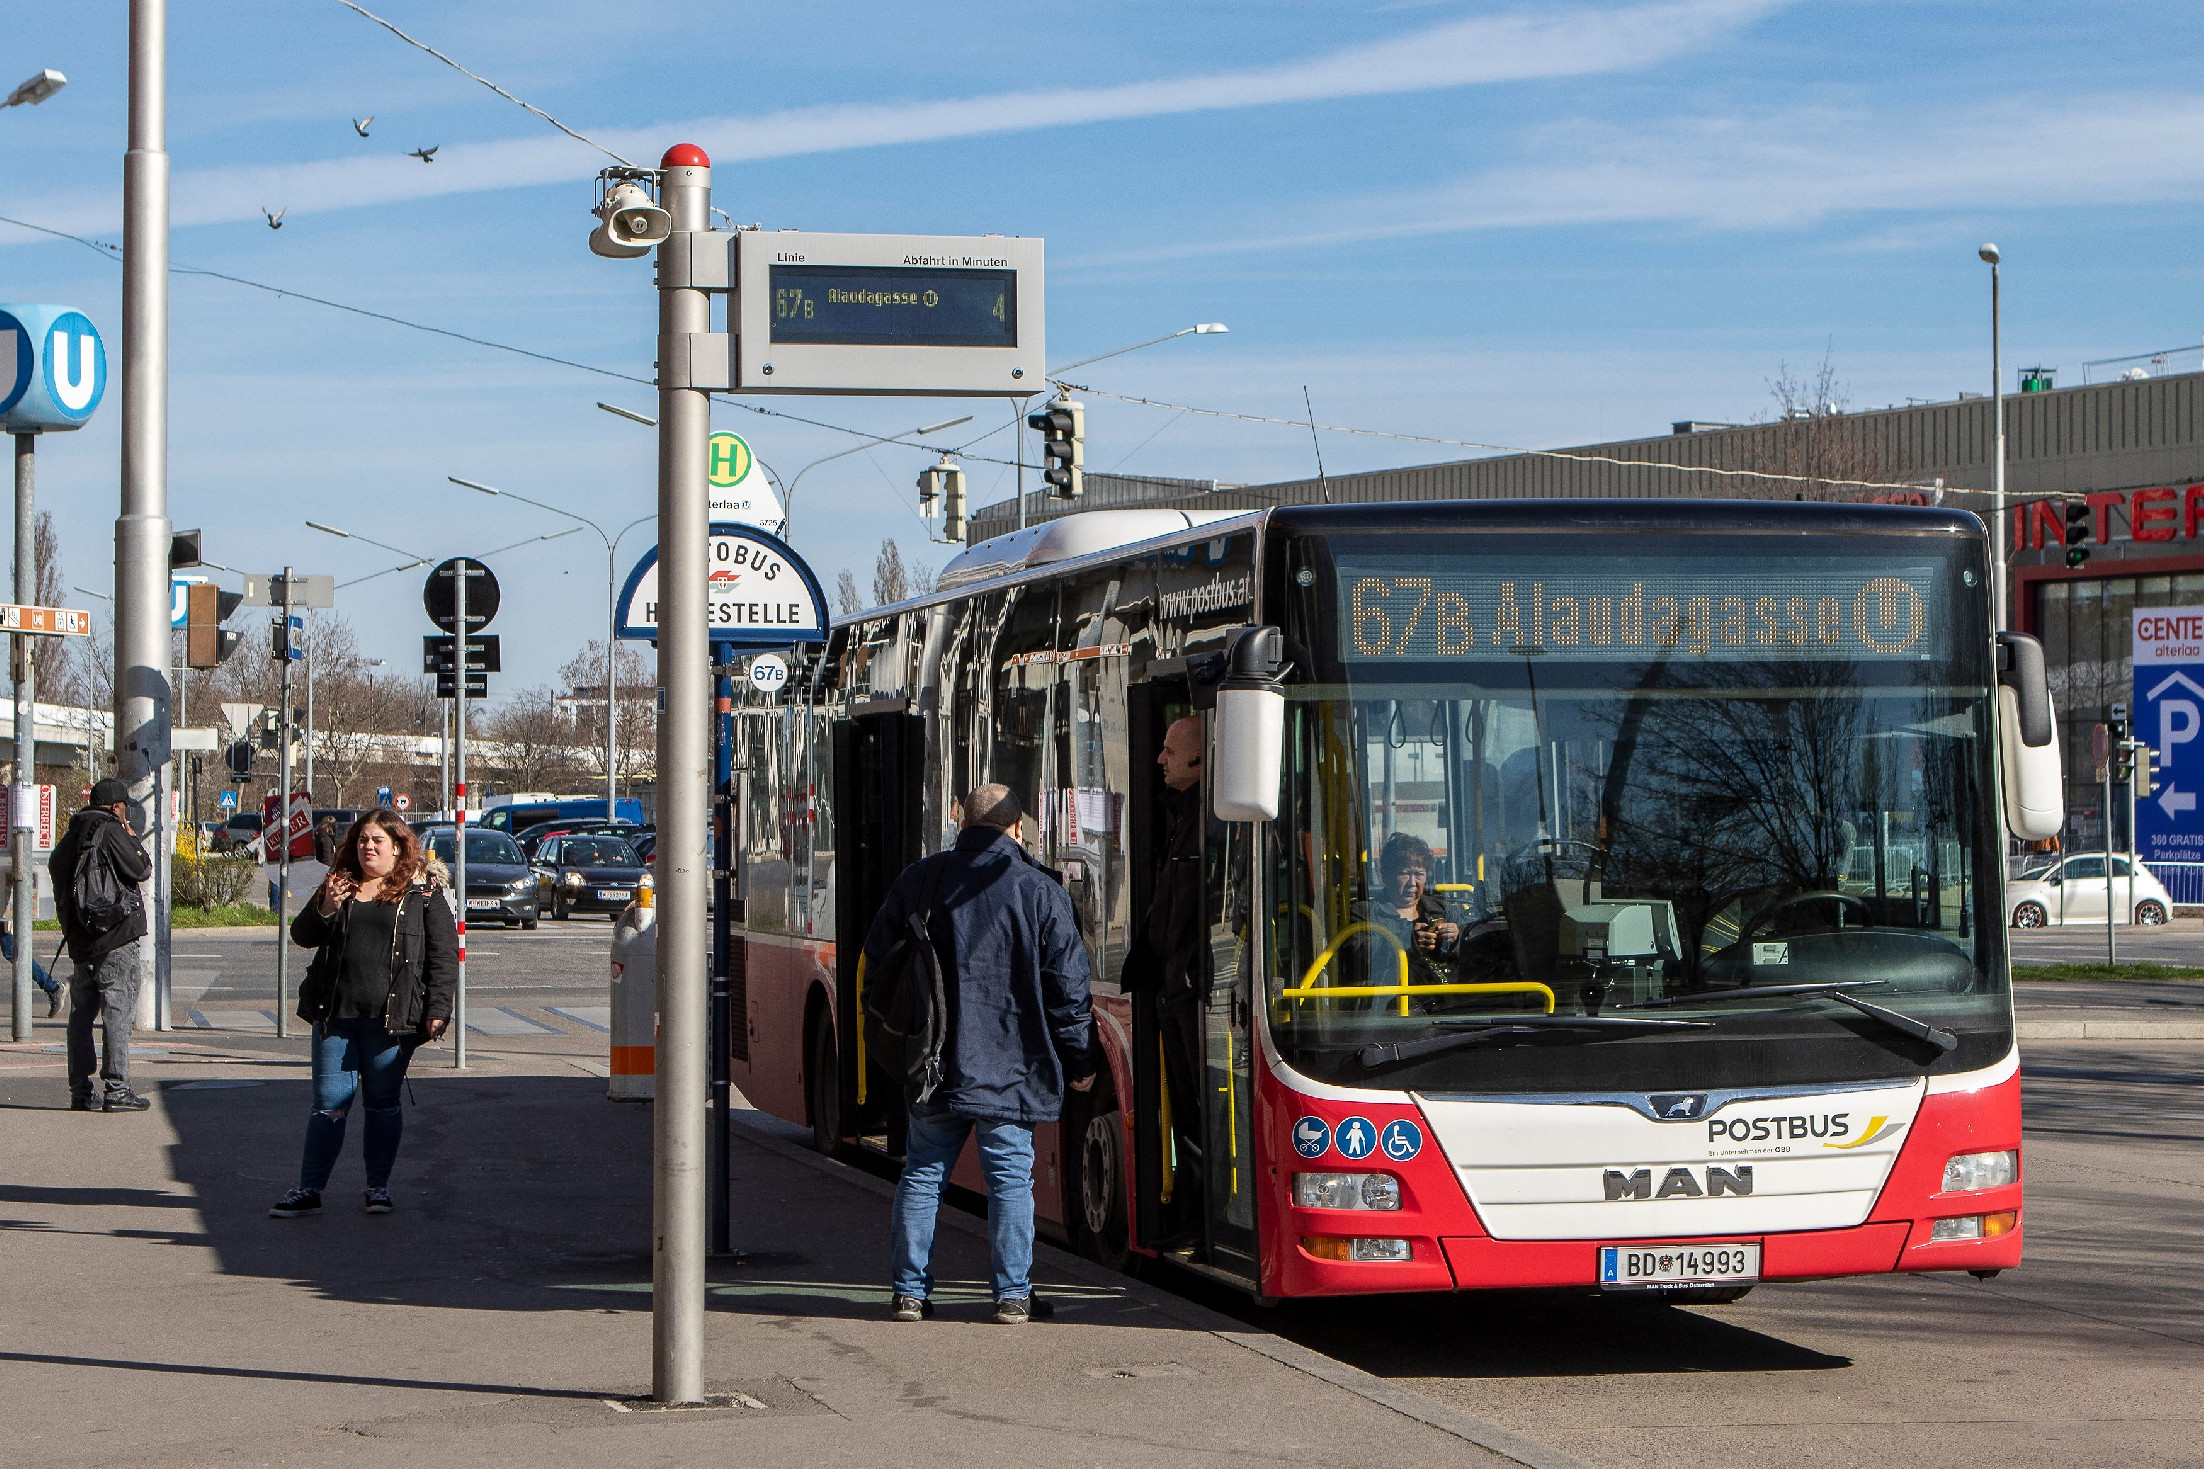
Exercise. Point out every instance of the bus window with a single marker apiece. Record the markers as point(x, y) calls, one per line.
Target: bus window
point(1024, 671)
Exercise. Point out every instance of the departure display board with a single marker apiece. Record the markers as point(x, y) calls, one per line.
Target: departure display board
point(1429, 607)
point(894, 306)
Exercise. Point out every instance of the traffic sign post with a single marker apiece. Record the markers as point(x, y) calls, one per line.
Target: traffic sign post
point(53, 371)
point(461, 597)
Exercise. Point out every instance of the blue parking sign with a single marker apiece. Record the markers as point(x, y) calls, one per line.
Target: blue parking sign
point(2169, 717)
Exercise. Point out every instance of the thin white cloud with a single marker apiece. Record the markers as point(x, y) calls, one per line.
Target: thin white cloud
point(1524, 46)
point(1779, 171)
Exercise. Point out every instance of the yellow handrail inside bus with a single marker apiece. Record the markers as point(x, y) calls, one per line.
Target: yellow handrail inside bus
point(862, 1068)
point(1308, 989)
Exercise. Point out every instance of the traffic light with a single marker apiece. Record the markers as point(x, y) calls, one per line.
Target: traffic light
point(207, 607)
point(271, 732)
point(289, 643)
point(183, 550)
point(2077, 532)
point(1063, 429)
point(943, 482)
point(239, 758)
point(2146, 771)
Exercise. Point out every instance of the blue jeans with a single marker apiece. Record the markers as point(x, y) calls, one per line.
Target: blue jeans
point(353, 1057)
point(39, 976)
point(931, 1147)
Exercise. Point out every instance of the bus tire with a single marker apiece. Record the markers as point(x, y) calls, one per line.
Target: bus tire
point(823, 1088)
point(2030, 915)
point(1093, 1140)
point(2150, 914)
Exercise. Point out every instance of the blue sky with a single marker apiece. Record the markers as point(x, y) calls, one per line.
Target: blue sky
point(1519, 225)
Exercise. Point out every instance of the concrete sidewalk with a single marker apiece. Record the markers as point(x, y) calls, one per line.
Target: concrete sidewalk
point(155, 1314)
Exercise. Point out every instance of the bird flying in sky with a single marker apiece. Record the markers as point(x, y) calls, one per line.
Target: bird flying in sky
point(359, 124)
point(275, 220)
point(426, 155)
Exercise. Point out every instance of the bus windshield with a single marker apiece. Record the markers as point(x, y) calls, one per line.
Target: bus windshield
point(1564, 775)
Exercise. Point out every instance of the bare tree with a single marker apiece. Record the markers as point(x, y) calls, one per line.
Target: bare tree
point(534, 740)
point(890, 582)
point(847, 598)
point(636, 734)
point(1816, 438)
point(923, 579)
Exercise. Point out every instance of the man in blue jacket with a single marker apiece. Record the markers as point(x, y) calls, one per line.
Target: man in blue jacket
point(1019, 1031)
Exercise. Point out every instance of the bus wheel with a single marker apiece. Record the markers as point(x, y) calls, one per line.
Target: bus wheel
point(2030, 915)
point(1093, 1140)
point(824, 1088)
point(2149, 914)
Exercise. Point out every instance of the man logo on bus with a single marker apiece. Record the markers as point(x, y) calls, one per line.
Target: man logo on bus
point(1311, 1136)
point(1357, 1138)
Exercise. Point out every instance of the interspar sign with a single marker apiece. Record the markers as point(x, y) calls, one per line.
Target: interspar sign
point(2169, 717)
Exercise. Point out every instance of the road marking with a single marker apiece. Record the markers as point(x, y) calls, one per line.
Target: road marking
point(501, 1021)
point(234, 1019)
point(596, 1017)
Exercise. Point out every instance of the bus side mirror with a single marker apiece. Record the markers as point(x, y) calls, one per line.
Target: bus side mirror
point(1251, 728)
point(2028, 740)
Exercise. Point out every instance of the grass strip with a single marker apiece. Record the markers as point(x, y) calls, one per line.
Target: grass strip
point(230, 915)
point(2105, 971)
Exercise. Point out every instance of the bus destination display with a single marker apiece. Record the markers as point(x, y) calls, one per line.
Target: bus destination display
point(1429, 607)
point(894, 306)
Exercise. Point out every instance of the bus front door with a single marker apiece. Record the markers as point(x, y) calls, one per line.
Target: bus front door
point(1193, 1173)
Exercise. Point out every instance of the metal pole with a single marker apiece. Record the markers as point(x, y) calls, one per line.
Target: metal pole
point(459, 809)
point(444, 757)
point(612, 708)
point(723, 1020)
point(2112, 952)
point(684, 774)
point(142, 651)
point(1017, 431)
point(283, 818)
point(2002, 608)
point(23, 818)
point(310, 719)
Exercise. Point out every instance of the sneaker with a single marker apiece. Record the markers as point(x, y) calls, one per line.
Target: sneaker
point(910, 1308)
point(378, 1201)
point(127, 1102)
point(298, 1201)
point(1017, 1310)
point(83, 1104)
point(53, 1003)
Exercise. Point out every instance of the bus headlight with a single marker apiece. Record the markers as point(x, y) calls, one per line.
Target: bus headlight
point(1976, 1226)
point(1343, 1247)
point(1971, 1171)
point(1346, 1190)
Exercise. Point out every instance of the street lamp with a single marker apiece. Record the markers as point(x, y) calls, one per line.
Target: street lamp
point(1200, 329)
point(788, 497)
point(37, 89)
point(1999, 611)
point(612, 622)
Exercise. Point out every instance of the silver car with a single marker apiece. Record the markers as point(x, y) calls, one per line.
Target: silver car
point(2073, 891)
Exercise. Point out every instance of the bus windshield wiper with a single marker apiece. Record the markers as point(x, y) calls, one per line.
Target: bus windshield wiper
point(1841, 992)
point(1492, 1027)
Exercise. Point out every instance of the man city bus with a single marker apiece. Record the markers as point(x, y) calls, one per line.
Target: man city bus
point(1596, 893)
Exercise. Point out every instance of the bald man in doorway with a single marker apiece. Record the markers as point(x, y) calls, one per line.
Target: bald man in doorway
point(1173, 964)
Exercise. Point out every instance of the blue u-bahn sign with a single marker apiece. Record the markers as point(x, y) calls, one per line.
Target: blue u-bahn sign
point(53, 368)
point(758, 593)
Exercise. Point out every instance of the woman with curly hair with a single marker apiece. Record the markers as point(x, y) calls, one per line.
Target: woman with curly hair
point(385, 962)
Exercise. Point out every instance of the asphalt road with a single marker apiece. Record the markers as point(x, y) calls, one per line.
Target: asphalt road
point(2178, 942)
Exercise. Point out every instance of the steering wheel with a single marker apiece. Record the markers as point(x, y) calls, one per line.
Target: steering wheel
point(1744, 934)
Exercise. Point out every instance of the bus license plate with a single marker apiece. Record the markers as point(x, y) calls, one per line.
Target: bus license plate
point(1624, 1266)
point(611, 895)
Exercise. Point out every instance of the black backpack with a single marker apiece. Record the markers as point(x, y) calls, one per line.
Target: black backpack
point(907, 999)
point(102, 899)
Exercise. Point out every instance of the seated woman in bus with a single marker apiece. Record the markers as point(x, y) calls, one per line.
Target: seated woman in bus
point(1406, 908)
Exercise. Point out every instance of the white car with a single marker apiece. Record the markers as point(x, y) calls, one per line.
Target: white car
point(2073, 891)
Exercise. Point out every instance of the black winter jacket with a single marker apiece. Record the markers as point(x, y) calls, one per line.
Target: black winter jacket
point(1020, 1022)
point(424, 960)
point(99, 835)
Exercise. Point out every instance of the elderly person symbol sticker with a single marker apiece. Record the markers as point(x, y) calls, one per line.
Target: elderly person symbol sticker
point(1357, 1138)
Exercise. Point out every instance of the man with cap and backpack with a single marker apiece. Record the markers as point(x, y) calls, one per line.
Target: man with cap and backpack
point(976, 991)
point(96, 868)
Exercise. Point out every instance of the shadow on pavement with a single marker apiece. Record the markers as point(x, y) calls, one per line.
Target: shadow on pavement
point(189, 1369)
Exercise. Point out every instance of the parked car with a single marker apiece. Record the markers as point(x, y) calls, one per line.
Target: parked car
point(536, 835)
point(237, 831)
point(587, 874)
point(646, 846)
point(2073, 891)
point(517, 816)
point(500, 883)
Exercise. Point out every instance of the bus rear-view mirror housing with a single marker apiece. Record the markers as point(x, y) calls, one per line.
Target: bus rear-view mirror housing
point(2028, 740)
point(1251, 728)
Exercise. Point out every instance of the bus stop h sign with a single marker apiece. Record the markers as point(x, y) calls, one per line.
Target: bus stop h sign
point(2169, 717)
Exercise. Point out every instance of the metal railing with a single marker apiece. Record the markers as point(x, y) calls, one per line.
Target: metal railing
point(2184, 881)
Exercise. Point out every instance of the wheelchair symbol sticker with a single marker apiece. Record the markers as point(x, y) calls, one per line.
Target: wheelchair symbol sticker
point(1356, 1138)
point(1311, 1136)
point(1401, 1140)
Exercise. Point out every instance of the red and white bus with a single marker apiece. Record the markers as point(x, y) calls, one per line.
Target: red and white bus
point(1602, 894)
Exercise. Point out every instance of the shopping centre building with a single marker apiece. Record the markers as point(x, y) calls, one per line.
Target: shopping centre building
point(2133, 450)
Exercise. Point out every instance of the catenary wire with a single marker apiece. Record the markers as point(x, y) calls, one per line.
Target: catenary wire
point(493, 86)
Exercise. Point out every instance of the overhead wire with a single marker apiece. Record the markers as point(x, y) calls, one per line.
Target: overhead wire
point(477, 76)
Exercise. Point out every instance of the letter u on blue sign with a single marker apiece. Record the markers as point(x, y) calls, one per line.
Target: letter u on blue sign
point(53, 368)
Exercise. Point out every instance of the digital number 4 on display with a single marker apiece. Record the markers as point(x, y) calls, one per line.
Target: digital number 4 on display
point(1815, 613)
